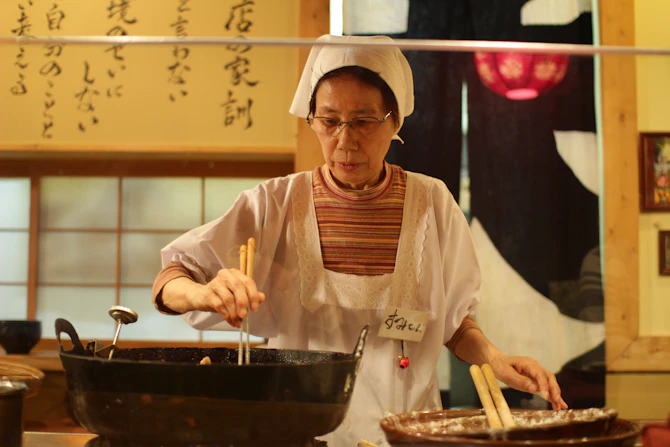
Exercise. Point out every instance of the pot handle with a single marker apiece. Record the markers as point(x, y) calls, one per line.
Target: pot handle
point(358, 351)
point(63, 325)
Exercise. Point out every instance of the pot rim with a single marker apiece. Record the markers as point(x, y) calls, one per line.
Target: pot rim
point(10, 388)
point(344, 361)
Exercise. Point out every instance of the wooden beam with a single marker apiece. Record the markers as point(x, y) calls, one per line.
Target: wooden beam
point(314, 22)
point(33, 246)
point(648, 354)
point(8, 150)
point(621, 192)
point(145, 167)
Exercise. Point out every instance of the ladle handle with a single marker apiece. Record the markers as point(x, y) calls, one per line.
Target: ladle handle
point(119, 323)
point(358, 351)
point(63, 325)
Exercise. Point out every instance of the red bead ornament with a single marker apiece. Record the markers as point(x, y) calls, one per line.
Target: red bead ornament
point(403, 362)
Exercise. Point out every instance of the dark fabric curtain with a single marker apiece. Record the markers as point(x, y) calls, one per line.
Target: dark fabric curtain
point(434, 131)
point(539, 216)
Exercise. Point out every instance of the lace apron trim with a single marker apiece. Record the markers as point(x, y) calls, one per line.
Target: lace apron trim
point(319, 286)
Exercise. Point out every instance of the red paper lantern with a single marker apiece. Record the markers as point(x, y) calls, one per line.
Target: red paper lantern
point(521, 75)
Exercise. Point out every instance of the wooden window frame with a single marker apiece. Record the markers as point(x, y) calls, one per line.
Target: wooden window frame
point(122, 168)
point(36, 161)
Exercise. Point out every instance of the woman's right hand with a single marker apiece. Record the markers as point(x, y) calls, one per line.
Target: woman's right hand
point(229, 294)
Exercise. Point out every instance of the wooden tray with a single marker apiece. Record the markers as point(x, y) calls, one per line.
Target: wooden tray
point(469, 427)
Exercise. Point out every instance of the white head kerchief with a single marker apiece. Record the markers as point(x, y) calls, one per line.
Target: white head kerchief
point(388, 62)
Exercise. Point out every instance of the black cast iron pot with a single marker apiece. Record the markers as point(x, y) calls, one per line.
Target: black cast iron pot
point(164, 396)
point(11, 412)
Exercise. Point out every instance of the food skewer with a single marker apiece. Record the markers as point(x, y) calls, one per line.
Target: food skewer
point(498, 398)
point(485, 397)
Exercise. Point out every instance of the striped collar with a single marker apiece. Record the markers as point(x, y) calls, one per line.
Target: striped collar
point(356, 195)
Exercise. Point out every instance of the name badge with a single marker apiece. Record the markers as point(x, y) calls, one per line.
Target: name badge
point(403, 324)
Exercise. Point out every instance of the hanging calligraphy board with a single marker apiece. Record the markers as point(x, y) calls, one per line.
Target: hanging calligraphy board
point(221, 97)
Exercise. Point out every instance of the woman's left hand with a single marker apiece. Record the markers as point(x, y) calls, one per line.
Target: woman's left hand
point(526, 374)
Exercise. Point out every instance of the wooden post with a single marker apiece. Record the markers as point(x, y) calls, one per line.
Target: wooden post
point(314, 22)
point(620, 163)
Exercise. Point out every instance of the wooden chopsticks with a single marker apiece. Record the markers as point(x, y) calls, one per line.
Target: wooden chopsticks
point(247, 255)
point(496, 408)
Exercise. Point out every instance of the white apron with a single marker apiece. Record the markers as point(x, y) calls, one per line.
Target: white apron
point(341, 304)
point(309, 307)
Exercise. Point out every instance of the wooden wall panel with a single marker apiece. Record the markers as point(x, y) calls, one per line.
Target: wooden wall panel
point(211, 98)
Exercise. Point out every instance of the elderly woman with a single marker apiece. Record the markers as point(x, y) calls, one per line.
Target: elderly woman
point(346, 245)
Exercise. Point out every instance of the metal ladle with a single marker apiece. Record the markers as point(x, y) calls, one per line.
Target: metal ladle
point(122, 315)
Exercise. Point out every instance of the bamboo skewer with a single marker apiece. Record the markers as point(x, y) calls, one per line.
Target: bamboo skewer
point(243, 269)
point(485, 397)
point(498, 398)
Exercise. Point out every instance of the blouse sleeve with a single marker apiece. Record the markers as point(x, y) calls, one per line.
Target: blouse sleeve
point(467, 324)
point(460, 273)
point(205, 250)
point(171, 271)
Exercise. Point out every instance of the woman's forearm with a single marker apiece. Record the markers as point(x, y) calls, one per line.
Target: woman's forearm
point(230, 293)
point(521, 373)
point(176, 294)
point(475, 348)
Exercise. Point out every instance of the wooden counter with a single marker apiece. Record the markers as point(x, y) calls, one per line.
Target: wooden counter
point(42, 360)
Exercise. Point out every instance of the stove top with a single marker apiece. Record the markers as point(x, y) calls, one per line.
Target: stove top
point(39, 439)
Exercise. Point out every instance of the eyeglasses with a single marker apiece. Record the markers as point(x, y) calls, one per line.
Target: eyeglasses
point(364, 125)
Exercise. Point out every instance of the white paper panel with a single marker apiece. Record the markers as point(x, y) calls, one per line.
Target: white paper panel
point(579, 150)
point(87, 308)
point(140, 256)
point(151, 324)
point(14, 256)
point(77, 257)
point(162, 203)
point(13, 302)
point(221, 193)
point(79, 202)
point(375, 16)
point(553, 12)
point(14, 203)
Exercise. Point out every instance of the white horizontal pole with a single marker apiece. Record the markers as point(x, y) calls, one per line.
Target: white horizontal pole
point(404, 44)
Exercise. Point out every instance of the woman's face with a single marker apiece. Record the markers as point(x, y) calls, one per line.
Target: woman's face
point(356, 161)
